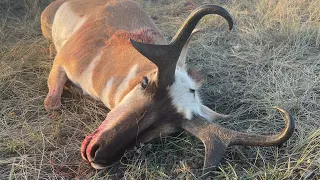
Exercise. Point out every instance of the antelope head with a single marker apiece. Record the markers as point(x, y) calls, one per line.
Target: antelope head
point(166, 101)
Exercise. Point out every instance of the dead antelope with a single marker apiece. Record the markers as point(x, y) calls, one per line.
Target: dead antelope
point(114, 51)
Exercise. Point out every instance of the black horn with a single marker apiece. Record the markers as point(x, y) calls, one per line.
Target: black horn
point(240, 138)
point(216, 138)
point(166, 56)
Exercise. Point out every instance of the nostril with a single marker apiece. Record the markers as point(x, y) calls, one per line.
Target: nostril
point(94, 150)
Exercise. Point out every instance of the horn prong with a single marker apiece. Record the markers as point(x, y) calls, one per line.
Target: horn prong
point(214, 152)
point(217, 138)
point(166, 56)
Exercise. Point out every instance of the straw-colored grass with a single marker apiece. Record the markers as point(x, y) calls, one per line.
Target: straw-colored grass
point(271, 57)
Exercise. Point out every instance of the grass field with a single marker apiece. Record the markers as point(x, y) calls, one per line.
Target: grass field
point(271, 57)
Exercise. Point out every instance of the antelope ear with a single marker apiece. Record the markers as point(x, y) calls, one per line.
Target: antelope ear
point(196, 76)
point(183, 56)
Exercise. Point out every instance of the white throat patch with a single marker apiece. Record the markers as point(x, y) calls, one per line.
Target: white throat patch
point(186, 101)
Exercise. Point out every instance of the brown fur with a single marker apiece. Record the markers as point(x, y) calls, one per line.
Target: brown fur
point(132, 15)
point(120, 43)
point(149, 110)
point(103, 32)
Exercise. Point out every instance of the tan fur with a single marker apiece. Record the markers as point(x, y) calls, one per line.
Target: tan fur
point(47, 17)
point(92, 41)
point(108, 11)
point(124, 62)
point(93, 51)
point(103, 32)
point(108, 25)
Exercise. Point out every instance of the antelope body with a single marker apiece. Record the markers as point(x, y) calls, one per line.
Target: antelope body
point(115, 53)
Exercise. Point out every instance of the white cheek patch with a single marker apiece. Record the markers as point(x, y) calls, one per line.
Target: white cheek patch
point(186, 102)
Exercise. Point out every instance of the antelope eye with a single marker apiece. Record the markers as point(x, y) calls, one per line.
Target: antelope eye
point(192, 91)
point(144, 82)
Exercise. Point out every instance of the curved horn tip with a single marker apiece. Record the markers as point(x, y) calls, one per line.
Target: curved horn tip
point(289, 120)
point(230, 27)
point(228, 17)
point(285, 113)
point(280, 109)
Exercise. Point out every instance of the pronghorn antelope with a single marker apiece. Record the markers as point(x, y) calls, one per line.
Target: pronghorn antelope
point(115, 53)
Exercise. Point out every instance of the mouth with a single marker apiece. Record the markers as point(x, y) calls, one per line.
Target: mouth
point(84, 147)
point(89, 147)
point(101, 147)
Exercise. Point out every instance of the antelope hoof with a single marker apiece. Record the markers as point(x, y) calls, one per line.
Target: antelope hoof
point(52, 103)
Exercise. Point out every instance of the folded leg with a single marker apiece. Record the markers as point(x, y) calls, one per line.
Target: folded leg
point(57, 79)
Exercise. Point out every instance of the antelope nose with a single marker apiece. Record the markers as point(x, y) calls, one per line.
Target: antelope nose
point(93, 151)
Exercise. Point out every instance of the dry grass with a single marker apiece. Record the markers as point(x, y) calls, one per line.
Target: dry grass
point(270, 58)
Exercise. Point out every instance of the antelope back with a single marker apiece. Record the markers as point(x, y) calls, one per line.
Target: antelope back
point(108, 16)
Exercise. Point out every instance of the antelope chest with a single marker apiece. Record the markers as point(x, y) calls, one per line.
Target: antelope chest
point(109, 87)
point(110, 74)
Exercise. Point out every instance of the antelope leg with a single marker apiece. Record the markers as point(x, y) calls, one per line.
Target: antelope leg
point(57, 79)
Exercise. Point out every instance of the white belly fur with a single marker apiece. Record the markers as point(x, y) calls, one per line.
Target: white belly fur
point(65, 24)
